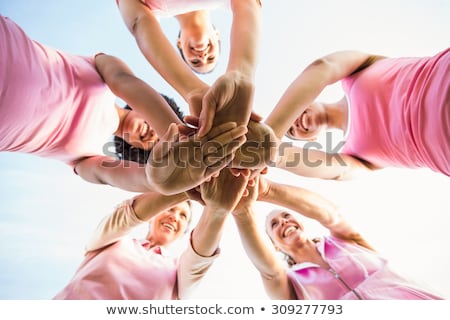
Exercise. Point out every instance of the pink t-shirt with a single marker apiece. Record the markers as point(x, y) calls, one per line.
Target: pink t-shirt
point(52, 104)
point(118, 267)
point(355, 273)
point(400, 113)
point(171, 8)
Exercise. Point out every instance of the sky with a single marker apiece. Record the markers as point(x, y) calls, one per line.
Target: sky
point(47, 213)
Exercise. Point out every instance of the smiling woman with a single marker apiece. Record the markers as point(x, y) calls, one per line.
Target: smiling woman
point(402, 212)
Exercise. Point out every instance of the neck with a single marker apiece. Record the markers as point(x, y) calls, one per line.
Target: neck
point(337, 114)
point(194, 22)
point(308, 253)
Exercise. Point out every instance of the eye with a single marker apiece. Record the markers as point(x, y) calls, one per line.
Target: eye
point(195, 62)
point(273, 224)
point(212, 58)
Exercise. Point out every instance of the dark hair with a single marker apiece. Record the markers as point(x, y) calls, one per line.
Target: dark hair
point(126, 151)
point(184, 58)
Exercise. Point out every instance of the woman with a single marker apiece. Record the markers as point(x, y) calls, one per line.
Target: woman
point(117, 266)
point(62, 106)
point(396, 113)
point(199, 44)
point(341, 265)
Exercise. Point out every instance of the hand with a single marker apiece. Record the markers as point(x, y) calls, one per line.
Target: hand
point(260, 150)
point(225, 191)
point(229, 99)
point(176, 166)
point(194, 99)
point(246, 202)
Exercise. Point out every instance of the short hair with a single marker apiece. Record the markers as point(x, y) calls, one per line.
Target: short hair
point(184, 58)
point(125, 151)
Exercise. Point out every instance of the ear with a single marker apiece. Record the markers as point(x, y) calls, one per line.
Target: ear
point(179, 43)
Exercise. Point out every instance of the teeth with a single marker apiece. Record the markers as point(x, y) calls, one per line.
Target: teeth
point(289, 230)
point(144, 130)
point(304, 122)
point(169, 226)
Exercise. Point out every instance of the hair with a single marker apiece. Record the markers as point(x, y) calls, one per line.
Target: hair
point(125, 151)
point(184, 58)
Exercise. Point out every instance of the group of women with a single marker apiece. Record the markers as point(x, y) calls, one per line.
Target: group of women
point(395, 112)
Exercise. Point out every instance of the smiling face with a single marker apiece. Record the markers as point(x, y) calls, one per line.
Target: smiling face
point(201, 52)
point(137, 132)
point(171, 224)
point(309, 124)
point(285, 230)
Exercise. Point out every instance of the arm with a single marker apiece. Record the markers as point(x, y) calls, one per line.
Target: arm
point(126, 175)
point(273, 272)
point(130, 214)
point(137, 93)
point(310, 83)
point(205, 238)
point(233, 91)
point(313, 206)
point(157, 49)
point(315, 163)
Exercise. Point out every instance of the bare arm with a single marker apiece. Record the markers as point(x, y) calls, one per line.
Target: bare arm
point(310, 83)
point(231, 95)
point(313, 163)
point(157, 49)
point(126, 175)
point(137, 93)
point(272, 271)
point(245, 36)
point(313, 206)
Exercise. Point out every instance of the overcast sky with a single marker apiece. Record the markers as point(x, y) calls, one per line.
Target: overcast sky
point(47, 213)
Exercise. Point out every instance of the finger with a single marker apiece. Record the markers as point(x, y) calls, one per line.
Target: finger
point(256, 117)
point(205, 122)
point(218, 130)
point(214, 153)
point(237, 133)
point(235, 172)
point(191, 120)
point(218, 166)
point(186, 130)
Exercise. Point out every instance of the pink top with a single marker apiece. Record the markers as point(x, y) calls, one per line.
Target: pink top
point(52, 104)
point(400, 113)
point(117, 267)
point(171, 8)
point(355, 273)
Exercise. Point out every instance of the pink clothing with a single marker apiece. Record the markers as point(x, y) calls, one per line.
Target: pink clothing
point(400, 113)
point(355, 273)
point(116, 267)
point(170, 8)
point(52, 104)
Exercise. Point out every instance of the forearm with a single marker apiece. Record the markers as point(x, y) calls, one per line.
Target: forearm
point(245, 36)
point(308, 203)
point(273, 273)
point(156, 48)
point(126, 175)
point(208, 232)
point(136, 93)
point(149, 204)
point(314, 163)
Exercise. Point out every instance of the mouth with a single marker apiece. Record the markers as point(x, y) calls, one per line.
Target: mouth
point(169, 226)
point(304, 121)
point(288, 231)
point(146, 133)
